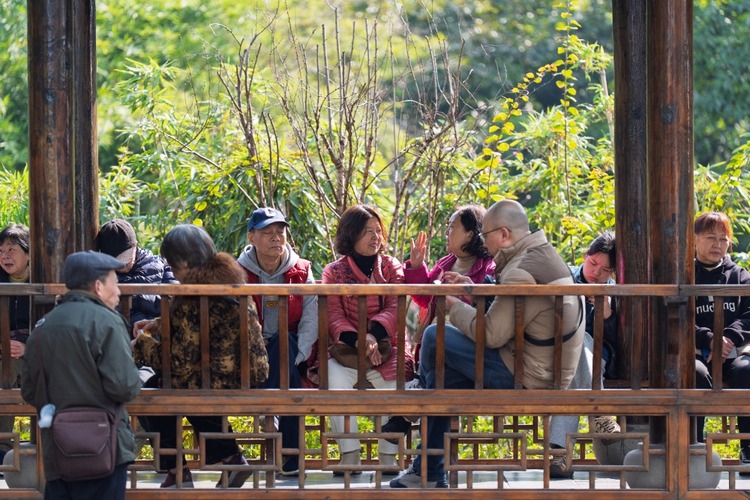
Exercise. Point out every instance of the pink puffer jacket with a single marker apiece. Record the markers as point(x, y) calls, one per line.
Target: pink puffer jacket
point(343, 310)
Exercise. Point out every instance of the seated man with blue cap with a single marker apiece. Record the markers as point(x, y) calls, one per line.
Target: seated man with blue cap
point(269, 258)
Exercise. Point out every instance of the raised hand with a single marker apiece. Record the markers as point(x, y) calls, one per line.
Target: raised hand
point(418, 250)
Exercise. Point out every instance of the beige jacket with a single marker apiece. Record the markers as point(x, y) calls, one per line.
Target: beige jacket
point(532, 260)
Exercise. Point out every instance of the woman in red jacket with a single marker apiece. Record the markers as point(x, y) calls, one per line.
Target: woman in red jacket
point(360, 240)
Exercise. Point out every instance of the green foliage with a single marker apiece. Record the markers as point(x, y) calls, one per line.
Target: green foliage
point(14, 196)
point(729, 449)
point(14, 149)
point(721, 100)
point(548, 159)
point(212, 154)
point(174, 148)
point(724, 187)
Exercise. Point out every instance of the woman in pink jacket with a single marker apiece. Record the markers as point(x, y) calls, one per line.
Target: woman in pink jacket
point(360, 240)
point(467, 262)
point(467, 259)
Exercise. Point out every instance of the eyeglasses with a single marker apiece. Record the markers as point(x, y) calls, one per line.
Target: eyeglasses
point(484, 234)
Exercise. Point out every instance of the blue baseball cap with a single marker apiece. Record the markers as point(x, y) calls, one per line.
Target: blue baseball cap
point(264, 217)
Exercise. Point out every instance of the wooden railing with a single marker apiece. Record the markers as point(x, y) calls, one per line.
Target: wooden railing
point(518, 446)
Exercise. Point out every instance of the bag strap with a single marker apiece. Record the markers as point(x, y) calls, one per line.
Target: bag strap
point(551, 342)
point(118, 406)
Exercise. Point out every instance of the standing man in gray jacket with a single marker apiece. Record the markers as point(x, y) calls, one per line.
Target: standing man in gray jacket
point(85, 350)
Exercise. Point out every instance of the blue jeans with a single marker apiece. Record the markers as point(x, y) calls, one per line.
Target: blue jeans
point(459, 374)
point(288, 426)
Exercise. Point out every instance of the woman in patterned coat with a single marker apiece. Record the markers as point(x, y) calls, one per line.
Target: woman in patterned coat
point(192, 255)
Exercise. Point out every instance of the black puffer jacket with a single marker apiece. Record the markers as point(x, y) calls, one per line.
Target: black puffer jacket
point(148, 269)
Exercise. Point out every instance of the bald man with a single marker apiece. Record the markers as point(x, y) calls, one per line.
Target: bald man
point(522, 257)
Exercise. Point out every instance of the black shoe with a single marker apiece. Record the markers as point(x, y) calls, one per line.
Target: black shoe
point(396, 424)
point(559, 468)
point(410, 479)
point(745, 460)
point(290, 468)
point(236, 477)
point(171, 480)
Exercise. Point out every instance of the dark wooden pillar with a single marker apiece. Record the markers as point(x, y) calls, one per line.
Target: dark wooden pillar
point(51, 170)
point(631, 195)
point(63, 166)
point(83, 24)
point(670, 169)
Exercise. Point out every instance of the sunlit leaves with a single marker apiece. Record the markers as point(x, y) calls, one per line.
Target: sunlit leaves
point(564, 176)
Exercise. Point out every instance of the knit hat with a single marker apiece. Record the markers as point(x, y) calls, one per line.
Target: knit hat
point(117, 238)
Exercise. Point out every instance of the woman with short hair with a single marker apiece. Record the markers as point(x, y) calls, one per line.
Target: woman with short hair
point(14, 268)
point(714, 266)
point(360, 240)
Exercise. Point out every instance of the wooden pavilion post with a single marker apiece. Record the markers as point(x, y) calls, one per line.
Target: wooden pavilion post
point(631, 213)
point(85, 140)
point(51, 174)
point(666, 95)
point(62, 133)
point(670, 178)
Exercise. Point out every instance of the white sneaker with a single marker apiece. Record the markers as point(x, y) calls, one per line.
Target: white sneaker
point(606, 425)
point(410, 479)
point(414, 383)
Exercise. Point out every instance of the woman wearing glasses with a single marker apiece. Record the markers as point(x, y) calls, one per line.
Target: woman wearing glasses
point(466, 258)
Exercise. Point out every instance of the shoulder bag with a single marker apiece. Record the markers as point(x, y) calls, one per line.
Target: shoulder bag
point(84, 440)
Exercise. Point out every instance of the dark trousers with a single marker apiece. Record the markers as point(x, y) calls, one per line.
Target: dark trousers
point(459, 374)
point(288, 426)
point(111, 487)
point(736, 374)
point(216, 449)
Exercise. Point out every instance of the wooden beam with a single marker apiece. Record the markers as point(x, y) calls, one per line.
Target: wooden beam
point(63, 170)
point(51, 190)
point(84, 127)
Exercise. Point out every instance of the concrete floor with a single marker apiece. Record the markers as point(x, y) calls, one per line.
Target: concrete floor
point(531, 480)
